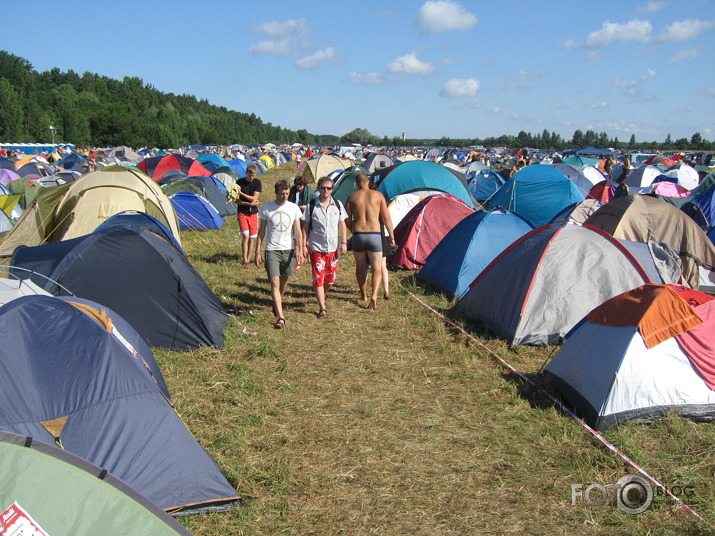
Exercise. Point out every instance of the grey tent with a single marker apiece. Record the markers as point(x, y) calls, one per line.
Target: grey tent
point(76, 380)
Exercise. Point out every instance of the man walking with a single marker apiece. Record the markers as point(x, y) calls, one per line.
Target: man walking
point(367, 213)
point(280, 227)
point(325, 232)
point(247, 208)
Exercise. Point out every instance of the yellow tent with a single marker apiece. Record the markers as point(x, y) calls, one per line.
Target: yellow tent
point(78, 208)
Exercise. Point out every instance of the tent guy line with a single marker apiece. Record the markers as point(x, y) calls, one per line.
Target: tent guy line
point(563, 408)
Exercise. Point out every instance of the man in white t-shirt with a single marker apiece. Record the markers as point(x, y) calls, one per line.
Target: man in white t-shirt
point(280, 228)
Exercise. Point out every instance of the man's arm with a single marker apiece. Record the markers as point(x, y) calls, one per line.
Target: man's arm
point(343, 234)
point(298, 233)
point(387, 220)
point(259, 240)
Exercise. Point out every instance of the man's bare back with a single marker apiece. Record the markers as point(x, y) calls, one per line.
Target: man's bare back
point(364, 208)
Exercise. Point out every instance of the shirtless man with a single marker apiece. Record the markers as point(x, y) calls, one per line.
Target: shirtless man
point(367, 212)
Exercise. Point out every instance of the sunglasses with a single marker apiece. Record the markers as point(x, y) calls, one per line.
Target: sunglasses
point(326, 187)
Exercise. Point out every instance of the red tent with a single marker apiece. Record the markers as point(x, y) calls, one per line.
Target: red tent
point(424, 226)
point(156, 167)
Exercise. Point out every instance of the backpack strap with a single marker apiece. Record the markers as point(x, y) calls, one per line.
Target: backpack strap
point(312, 208)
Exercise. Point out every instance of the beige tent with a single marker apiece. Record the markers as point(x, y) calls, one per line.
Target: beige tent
point(322, 166)
point(77, 208)
point(642, 218)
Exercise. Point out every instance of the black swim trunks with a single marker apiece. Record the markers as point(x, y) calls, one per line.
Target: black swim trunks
point(370, 241)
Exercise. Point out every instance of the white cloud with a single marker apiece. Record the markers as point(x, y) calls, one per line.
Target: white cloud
point(684, 30)
point(460, 87)
point(437, 16)
point(652, 7)
point(495, 110)
point(625, 84)
point(685, 55)
point(368, 78)
point(282, 38)
point(410, 64)
point(320, 57)
point(598, 105)
point(634, 30)
point(470, 104)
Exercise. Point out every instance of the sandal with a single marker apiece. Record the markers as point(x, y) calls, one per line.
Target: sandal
point(280, 323)
point(386, 296)
point(323, 313)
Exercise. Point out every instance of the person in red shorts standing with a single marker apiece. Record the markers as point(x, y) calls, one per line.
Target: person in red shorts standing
point(247, 211)
point(325, 239)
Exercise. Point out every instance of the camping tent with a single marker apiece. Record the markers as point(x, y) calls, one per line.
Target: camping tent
point(537, 289)
point(421, 178)
point(195, 212)
point(469, 248)
point(137, 273)
point(77, 208)
point(643, 354)
point(65, 494)
point(157, 166)
point(642, 218)
point(77, 383)
point(424, 226)
point(537, 192)
point(484, 184)
point(321, 166)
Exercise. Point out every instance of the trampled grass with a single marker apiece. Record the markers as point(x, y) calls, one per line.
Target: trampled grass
point(395, 422)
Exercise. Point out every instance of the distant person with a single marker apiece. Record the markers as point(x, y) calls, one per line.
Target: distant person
point(326, 233)
point(300, 193)
point(247, 208)
point(280, 227)
point(367, 212)
point(386, 250)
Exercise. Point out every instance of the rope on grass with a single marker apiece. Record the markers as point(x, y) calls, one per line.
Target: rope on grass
point(563, 408)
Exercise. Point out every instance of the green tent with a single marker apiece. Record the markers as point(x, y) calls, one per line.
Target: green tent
point(65, 494)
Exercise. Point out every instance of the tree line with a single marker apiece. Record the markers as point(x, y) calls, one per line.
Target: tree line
point(93, 110)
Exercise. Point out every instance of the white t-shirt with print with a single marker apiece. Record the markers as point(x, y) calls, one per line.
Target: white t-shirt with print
point(279, 224)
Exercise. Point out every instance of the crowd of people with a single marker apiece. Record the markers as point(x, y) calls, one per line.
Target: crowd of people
point(299, 226)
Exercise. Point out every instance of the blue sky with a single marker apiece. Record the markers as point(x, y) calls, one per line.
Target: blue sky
point(461, 69)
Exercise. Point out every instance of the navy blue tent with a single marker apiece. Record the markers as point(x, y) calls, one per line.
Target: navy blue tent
point(195, 212)
point(72, 381)
point(702, 209)
point(209, 188)
point(134, 218)
point(484, 184)
point(469, 248)
point(136, 273)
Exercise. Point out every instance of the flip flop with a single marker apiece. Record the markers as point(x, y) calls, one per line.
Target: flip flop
point(323, 313)
point(280, 323)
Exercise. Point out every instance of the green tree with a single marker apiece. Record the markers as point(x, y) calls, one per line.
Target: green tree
point(359, 135)
point(11, 112)
point(696, 141)
point(632, 142)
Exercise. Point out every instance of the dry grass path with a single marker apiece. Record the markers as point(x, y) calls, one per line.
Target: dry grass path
point(383, 422)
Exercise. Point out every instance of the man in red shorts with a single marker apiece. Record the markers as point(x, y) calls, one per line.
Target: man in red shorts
point(325, 233)
point(247, 208)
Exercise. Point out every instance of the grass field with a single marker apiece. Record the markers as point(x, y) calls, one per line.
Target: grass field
point(394, 422)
